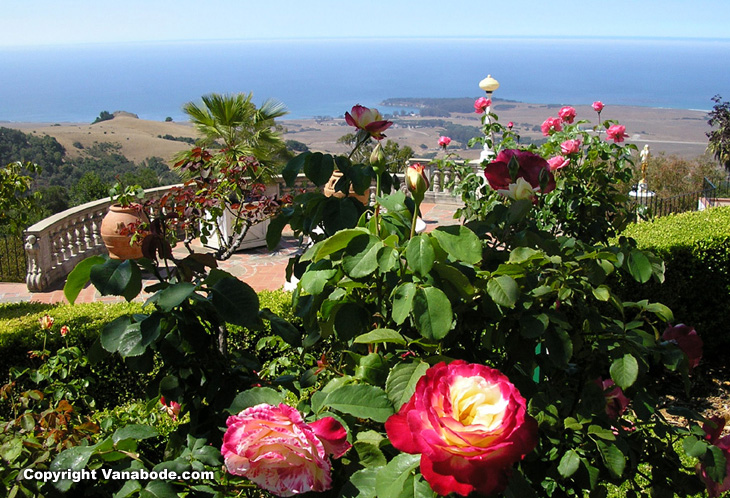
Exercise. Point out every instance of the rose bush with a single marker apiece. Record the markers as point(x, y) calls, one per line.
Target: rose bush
point(469, 424)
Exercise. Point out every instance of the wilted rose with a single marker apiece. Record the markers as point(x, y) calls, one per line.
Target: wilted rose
point(46, 322)
point(570, 147)
point(551, 124)
point(533, 168)
point(687, 339)
point(557, 162)
point(616, 400)
point(368, 120)
point(597, 106)
point(444, 141)
point(273, 447)
point(470, 425)
point(567, 114)
point(172, 408)
point(713, 431)
point(617, 133)
point(481, 104)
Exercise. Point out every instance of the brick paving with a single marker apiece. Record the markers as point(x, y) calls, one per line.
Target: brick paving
point(260, 268)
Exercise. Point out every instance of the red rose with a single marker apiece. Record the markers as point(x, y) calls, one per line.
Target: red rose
point(567, 114)
point(597, 106)
point(558, 162)
point(551, 124)
point(687, 339)
point(444, 141)
point(570, 147)
point(713, 432)
point(616, 400)
point(470, 425)
point(531, 168)
point(617, 133)
point(481, 104)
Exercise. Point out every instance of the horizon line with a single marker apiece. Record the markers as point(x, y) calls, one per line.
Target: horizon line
point(363, 38)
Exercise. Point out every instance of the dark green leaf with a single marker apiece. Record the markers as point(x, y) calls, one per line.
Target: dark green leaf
point(236, 302)
point(282, 328)
point(624, 371)
point(569, 463)
point(694, 447)
point(117, 278)
point(613, 458)
point(391, 479)
point(294, 167)
point(134, 431)
point(403, 301)
point(459, 242)
point(158, 489)
point(361, 256)
point(503, 290)
point(402, 380)
point(362, 401)
point(380, 335)
point(319, 168)
point(420, 254)
point(255, 396)
point(79, 276)
point(639, 266)
point(337, 242)
point(432, 313)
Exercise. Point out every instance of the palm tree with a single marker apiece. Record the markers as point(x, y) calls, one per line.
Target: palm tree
point(243, 129)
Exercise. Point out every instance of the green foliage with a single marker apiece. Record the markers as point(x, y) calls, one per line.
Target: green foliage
point(719, 139)
point(695, 248)
point(18, 205)
point(103, 116)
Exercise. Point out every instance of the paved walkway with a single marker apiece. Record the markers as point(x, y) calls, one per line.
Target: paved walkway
point(260, 268)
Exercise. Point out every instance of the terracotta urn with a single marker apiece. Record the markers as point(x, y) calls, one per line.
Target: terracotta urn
point(117, 229)
point(329, 189)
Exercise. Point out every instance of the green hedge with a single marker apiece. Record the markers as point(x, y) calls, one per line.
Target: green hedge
point(695, 248)
point(20, 332)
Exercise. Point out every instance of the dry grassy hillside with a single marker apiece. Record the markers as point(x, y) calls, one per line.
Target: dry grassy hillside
point(673, 131)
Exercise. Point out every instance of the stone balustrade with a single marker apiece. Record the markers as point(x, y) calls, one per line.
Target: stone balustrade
point(55, 245)
point(441, 181)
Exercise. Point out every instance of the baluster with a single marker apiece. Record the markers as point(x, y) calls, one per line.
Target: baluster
point(88, 232)
point(447, 181)
point(78, 236)
point(59, 247)
point(436, 182)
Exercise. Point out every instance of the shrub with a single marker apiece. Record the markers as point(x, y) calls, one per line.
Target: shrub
point(21, 333)
point(696, 252)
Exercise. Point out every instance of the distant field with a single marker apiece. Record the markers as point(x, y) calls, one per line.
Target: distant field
point(673, 131)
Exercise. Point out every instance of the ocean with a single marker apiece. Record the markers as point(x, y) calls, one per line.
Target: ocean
point(328, 76)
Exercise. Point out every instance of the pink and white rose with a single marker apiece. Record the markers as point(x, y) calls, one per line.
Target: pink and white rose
point(567, 114)
point(46, 322)
point(444, 141)
point(470, 425)
point(273, 447)
point(368, 120)
point(551, 124)
point(481, 104)
point(597, 106)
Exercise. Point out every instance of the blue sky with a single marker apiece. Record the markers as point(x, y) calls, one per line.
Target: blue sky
point(42, 22)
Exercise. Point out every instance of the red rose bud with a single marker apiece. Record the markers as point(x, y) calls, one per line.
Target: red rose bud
point(416, 180)
point(444, 141)
point(597, 106)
